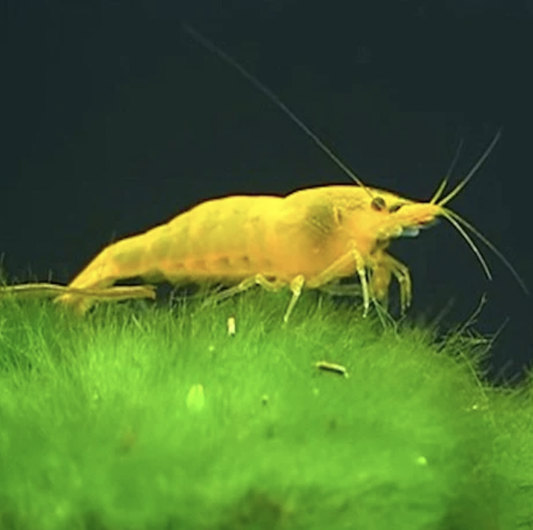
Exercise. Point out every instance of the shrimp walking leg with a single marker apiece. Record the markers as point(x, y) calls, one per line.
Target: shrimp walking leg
point(296, 286)
point(382, 271)
point(259, 279)
point(333, 272)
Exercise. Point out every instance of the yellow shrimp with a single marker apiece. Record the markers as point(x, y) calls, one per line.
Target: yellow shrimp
point(309, 238)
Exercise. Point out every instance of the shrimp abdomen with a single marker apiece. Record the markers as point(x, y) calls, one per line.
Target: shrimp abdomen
point(218, 239)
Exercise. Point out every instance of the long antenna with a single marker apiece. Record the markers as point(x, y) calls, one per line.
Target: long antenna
point(446, 179)
point(213, 48)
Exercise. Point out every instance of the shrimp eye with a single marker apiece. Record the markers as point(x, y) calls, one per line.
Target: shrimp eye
point(378, 204)
point(395, 207)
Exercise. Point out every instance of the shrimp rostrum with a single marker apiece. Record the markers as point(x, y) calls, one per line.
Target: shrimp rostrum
point(307, 239)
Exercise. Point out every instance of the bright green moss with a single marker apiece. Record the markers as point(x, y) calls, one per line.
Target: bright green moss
point(97, 432)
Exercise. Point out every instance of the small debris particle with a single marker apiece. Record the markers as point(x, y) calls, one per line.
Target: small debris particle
point(231, 326)
point(331, 367)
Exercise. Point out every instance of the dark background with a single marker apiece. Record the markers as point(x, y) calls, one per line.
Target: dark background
point(114, 120)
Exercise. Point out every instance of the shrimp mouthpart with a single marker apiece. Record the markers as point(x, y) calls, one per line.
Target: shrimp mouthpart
point(414, 230)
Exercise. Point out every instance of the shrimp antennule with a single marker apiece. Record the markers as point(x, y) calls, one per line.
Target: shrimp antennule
point(462, 225)
point(469, 175)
